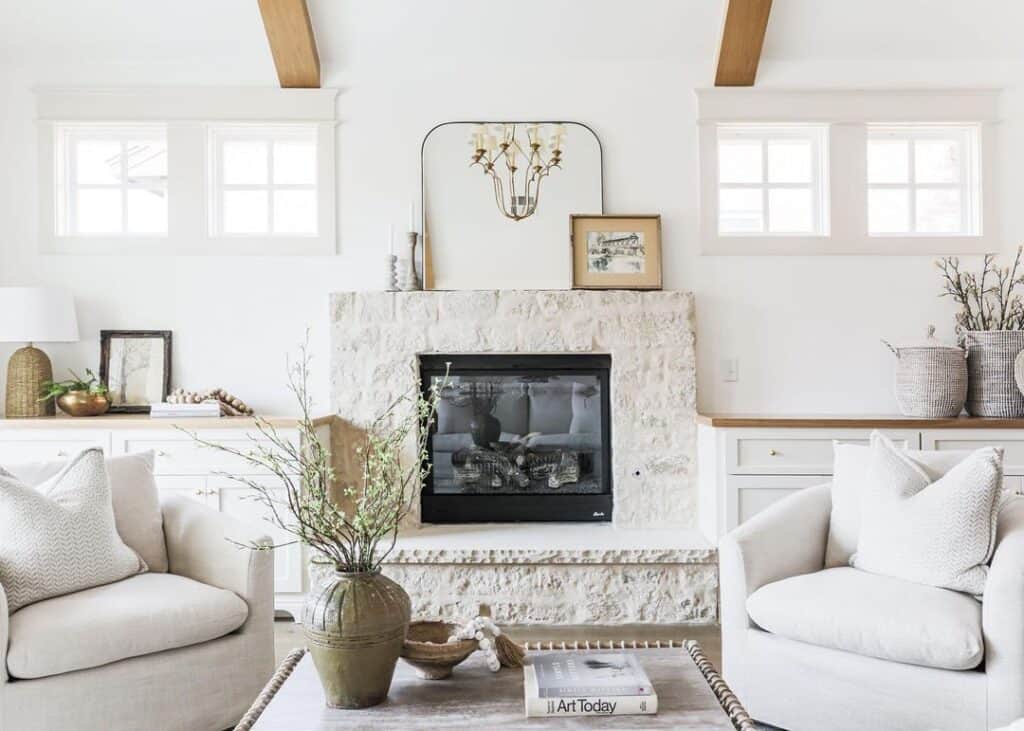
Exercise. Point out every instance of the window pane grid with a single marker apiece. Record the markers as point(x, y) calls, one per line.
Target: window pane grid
point(92, 220)
point(950, 196)
point(255, 208)
point(792, 154)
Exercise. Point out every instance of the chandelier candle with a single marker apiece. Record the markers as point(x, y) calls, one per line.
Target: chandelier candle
point(516, 172)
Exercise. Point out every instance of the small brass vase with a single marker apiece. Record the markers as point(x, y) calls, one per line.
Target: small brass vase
point(83, 403)
point(355, 626)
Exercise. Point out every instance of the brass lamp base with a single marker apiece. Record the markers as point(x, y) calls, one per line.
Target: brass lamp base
point(27, 370)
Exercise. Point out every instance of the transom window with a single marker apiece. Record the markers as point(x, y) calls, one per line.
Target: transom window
point(772, 180)
point(111, 180)
point(923, 180)
point(263, 180)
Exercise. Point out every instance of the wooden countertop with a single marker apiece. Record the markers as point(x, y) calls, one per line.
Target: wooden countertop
point(144, 421)
point(853, 421)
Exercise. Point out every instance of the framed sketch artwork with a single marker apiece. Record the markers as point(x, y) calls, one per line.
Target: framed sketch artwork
point(136, 366)
point(616, 252)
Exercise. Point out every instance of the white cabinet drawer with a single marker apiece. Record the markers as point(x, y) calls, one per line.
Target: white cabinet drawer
point(752, 502)
point(1012, 443)
point(191, 487)
point(1014, 485)
point(186, 457)
point(796, 451)
point(19, 451)
point(754, 493)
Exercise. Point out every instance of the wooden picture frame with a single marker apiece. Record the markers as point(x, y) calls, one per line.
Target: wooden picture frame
point(141, 368)
point(616, 251)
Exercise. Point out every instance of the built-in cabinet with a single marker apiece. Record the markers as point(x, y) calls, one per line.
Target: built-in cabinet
point(181, 467)
point(749, 463)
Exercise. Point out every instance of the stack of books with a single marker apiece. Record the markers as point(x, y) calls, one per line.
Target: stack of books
point(206, 409)
point(587, 684)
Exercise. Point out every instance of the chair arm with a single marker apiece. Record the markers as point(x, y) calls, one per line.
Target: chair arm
point(786, 539)
point(203, 544)
point(1002, 618)
point(5, 637)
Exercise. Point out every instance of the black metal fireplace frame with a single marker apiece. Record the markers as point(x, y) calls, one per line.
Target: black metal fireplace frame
point(502, 507)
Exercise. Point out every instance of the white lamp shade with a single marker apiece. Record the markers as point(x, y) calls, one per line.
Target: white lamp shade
point(37, 315)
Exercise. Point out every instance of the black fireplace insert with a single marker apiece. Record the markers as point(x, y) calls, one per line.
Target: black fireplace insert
point(519, 438)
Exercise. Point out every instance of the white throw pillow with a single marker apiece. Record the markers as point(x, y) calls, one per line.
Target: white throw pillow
point(60, 537)
point(849, 473)
point(940, 532)
point(137, 513)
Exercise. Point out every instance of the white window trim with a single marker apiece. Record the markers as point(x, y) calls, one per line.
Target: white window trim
point(187, 114)
point(847, 113)
point(818, 185)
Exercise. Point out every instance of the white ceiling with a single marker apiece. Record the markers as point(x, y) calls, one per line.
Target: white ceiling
point(226, 36)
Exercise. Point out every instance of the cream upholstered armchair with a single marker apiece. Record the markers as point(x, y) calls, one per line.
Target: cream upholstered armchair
point(875, 652)
point(188, 649)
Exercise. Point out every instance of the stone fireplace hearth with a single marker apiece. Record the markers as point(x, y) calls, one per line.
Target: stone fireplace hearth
point(652, 551)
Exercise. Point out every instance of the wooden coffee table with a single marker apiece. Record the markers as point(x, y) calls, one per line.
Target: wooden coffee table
point(691, 695)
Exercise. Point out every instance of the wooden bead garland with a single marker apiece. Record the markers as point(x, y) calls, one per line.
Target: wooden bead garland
point(229, 405)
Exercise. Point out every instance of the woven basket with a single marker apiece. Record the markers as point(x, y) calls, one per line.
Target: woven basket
point(991, 390)
point(931, 378)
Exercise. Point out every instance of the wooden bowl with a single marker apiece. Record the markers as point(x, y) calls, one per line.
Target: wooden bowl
point(428, 650)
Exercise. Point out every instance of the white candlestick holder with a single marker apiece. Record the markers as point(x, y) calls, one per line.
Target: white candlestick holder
point(405, 277)
point(391, 273)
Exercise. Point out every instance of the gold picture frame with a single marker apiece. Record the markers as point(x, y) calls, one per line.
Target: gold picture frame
point(616, 251)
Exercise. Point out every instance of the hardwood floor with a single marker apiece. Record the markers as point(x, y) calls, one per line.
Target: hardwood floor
point(288, 635)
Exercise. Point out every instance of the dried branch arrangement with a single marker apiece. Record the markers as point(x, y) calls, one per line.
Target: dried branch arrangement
point(360, 538)
point(988, 301)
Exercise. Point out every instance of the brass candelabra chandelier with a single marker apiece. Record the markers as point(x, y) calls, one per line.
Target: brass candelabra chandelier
point(517, 171)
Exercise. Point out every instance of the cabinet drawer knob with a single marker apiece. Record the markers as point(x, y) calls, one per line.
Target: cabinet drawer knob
point(161, 453)
point(211, 492)
point(200, 492)
point(62, 453)
point(772, 453)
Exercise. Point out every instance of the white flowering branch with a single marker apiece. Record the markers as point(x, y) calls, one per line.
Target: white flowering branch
point(352, 541)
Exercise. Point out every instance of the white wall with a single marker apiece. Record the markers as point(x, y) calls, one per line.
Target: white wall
point(805, 329)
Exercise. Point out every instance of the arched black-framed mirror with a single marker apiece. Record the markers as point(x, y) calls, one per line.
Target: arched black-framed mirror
point(478, 238)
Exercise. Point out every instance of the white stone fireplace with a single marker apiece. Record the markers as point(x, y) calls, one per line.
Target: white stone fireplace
point(651, 562)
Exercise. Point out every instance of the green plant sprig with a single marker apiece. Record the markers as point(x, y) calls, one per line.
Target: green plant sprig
point(90, 384)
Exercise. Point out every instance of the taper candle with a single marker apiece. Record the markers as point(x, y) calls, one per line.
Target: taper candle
point(391, 238)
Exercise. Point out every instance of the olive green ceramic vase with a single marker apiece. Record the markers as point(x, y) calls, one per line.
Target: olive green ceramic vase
point(355, 626)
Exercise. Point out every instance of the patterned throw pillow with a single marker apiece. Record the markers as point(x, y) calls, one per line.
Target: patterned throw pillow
point(940, 532)
point(60, 537)
point(137, 513)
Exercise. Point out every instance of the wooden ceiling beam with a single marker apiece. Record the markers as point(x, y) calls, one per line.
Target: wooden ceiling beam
point(742, 37)
point(292, 43)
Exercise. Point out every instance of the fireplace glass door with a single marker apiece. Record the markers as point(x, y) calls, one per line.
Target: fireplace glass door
point(519, 438)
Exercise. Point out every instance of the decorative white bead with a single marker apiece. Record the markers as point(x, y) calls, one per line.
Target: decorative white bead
point(479, 628)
